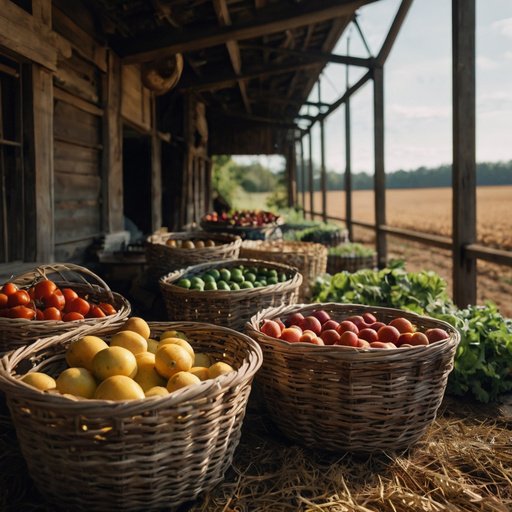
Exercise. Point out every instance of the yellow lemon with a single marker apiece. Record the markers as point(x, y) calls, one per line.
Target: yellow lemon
point(39, 380)
point(152, 345)
point(81, 352)
point(181, 342)
point(138, 325)
point(180, 380)
point(114, 361)
point(171, 359)
point(157, 391)
point(173, 334)
point(219, 368)
point(119, 387)
point(129, 340)
point(77, 382)
point(202, 359)
point(147, 377)
point(200, 371)
point(145, 358)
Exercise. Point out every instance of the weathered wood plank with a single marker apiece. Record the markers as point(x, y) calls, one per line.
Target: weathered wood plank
point(77, 102)
point(73, 251)
point(27, 35)
point(136, 99)
point(310, 174)
point(75, 159)
point(112, 153)
point(464, 150)
point(75, 125)
point(156, 182)
point(77, 187)
point(76, 220)
point(83, 84)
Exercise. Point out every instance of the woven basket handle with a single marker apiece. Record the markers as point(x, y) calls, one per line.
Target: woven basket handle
point(65, 270)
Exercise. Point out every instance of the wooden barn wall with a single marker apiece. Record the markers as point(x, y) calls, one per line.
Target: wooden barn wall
point(136, 99)
point(77, 139)
point(230, 137)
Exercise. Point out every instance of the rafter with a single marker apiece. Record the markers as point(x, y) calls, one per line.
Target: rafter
point(256, 119)
point(393, 31)
point(221, 9)
point(271, 19)
point(227, 80)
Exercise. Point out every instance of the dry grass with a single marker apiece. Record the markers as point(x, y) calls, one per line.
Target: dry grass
point(464, 464)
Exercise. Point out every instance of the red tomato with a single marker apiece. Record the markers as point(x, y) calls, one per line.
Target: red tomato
point(39, 315)
point(70, 317)
point(69, 294)
point(108, 309)
point(52, 314)
point(79, 305)
point(22, 312)
point(55, 300)
point(32, 293)
point(3, 300)
point(44, 289)
point(95, 312)
point(9, 288)
point(19, 298)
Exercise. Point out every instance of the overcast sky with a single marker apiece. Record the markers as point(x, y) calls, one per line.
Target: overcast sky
point(418, 119)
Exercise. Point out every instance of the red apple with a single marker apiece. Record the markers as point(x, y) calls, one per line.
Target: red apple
point(349, 339)
point(307, 337)
point(375, 326)
point(388, 334)
point(357, 320)
point(361, 343)
point(436, 334)
point(330, 337)
point(322, 315)
point(419, 338)
point(271, 328)
point(291, 335)
point(312, 323)
point(402, 324)
point(297, 327)
point(381, 344)
point(330, 324)
point(369, 335)
point(318, 341)
point(295, 319)
point(347, 325)
point(404, 339)
point(369, 318)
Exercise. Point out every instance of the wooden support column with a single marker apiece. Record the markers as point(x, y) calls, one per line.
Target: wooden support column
point(43, 161)
point(323, 173)
point(113, 148)
point(380, 176)
point(156, 174)
point(311, 178)
point(291, 169)
point(464, 166)
point(302, 174)
point(348, 163)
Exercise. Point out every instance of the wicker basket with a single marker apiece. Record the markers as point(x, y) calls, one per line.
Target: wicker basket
point(17, 332)
point(163, 259)
point(149, 454)
point(340, 398)
point(266, 232)
point(228, 308)
point(337, 263)
point(309, 258)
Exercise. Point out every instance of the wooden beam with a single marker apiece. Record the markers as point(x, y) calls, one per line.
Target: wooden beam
point(348, 171)
point(233, 49)
point(226, 81)
point(321, 57)
point(497, 256)
point(113, 148)
point(393, 31)
point(323, 172)
point(311, 177)
point(464, 166)
point(268, 20)
point(156, 172)
point(302, 173)
point(380, 176)
point(26, 35)
point(317, 104)
point(255, 118)
point(76, 101)
point(291, 170)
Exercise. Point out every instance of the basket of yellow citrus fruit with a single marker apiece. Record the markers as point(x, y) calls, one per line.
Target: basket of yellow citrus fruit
point(147, 416)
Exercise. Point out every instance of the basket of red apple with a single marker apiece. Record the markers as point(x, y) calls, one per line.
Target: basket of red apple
point(343, 377)
point(54, 299)
point(248, 224)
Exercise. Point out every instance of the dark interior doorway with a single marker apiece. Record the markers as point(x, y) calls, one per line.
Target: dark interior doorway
point(137, 179)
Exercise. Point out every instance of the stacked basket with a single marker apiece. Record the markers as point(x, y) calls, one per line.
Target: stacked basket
point(146, 454)
point(163, 258)
point(231, 308)
point(341, 398)
point(310, 258)
point(18, 332)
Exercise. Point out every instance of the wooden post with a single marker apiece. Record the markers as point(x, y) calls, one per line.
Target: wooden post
point(292, 173)
point(113, 208)
point(302, 174)
point(156, 174)
point(42, 86)
point(311, 178)
point(323, 175)
point(380, 176)
point(464, 166)
point(348, 162)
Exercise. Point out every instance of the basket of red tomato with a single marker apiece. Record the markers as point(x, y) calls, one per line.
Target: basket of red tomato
point(53, 299)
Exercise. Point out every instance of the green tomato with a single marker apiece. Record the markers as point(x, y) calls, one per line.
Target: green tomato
point(222, 285)
point(210, 285)
point(184, 283)
point(250, 277)
point(198, 287)
point(196, 281)
point(237, 276)
point(225, 274)
point(257, 284)
point(272, 272)
point(208, 278)
point(215, 273)
point(246, 285)
point(272, 280)
point(283, 277)
point(234, 286)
